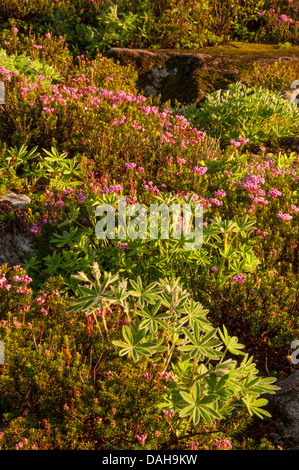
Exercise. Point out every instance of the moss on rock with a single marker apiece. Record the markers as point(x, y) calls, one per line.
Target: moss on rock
point(187, 76)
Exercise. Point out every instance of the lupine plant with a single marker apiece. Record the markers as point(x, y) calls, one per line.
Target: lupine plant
point(166, 325)
point(257, 113)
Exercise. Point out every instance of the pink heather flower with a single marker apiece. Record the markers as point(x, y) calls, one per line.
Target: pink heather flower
point(130, 165)
point(141, 438)
point(48, 110)
point(16, 323)
point(294, 209)
point(223, 444)
point(259, 200)
point(220, 193)
point(168, 414)
point(19, 445)
point(261, 13)
point(200, 170)
point(48, 35)
point(146, 376)
point(284, 217)
point(234, 143)
point(122, 246)
point(167, 376)
point(240, 279)
point(274, 193)
point(243, 141)
point(214, 201)
point(35, 229)
point(260, 233)
point(214, 268)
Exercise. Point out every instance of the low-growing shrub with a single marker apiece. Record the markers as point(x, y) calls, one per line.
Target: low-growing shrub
point(256, 113)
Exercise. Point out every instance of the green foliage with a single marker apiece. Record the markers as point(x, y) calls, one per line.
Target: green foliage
point(255, 113)
point(30, 68)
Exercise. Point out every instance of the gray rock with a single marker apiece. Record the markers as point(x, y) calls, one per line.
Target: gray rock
point(285, 405)
point(12, 247)
point(17, 200)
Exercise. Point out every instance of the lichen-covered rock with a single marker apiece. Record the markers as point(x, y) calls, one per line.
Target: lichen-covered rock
point(187, 76)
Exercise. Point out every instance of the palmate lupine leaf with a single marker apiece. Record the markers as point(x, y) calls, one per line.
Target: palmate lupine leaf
point(244, 225)
point(199, 406)
point(231, 342)
point(134, 345)
point(151, 317)
point(193, 312)
point(201, 344)
point(149, 294)
point(254, 406)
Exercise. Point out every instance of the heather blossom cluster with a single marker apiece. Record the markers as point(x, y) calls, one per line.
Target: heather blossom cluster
point(4, 282)
point(239, 279)
point(284, 217)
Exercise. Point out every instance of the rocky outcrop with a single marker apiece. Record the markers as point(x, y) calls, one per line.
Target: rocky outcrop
point(188, 76)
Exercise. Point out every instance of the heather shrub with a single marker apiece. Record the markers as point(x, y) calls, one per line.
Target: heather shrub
point(277, 76)
point(45, 48)
point(44, 9)
point(184, 25)
point(278, 27)
point(73, 116)
point(27, 114)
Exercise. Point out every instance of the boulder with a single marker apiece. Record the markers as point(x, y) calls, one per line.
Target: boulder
point(285, 405)
point(187, 76)
point(16, 200)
